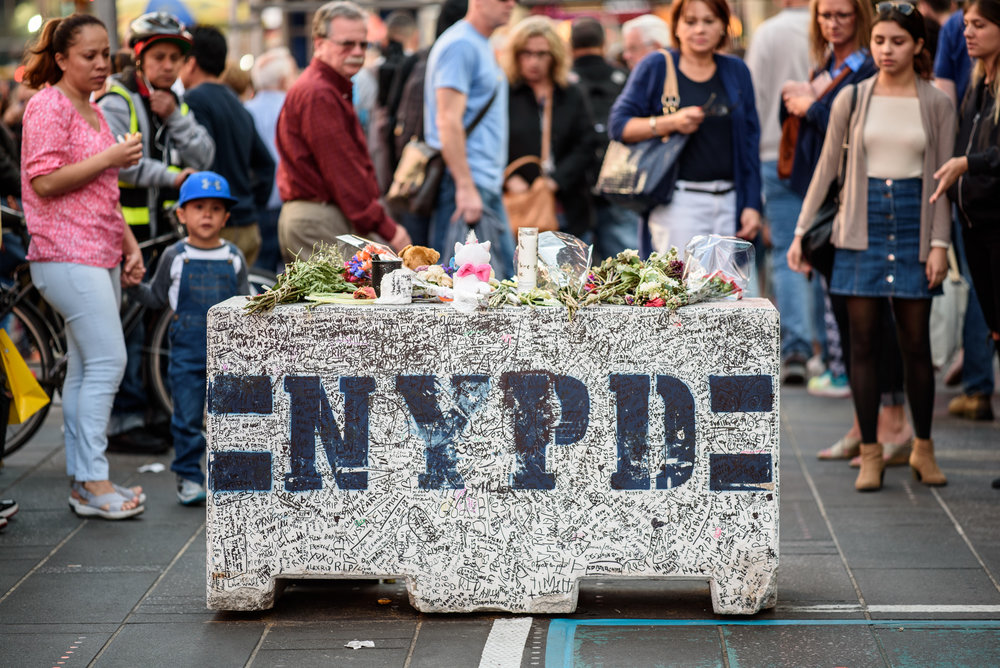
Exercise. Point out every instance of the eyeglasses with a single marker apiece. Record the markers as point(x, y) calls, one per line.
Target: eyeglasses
point(541, 55)
point(839, 17)
point(349, 44)
point(903, 8)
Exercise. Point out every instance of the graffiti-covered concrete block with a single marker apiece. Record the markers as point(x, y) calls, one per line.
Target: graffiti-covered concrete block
point(493, 459)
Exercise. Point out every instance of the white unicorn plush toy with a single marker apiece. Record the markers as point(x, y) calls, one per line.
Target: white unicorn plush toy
point(471, 279)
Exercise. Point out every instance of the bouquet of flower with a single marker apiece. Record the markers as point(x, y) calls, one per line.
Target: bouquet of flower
point(322, 273)
point(625, 279)
point(358, 269)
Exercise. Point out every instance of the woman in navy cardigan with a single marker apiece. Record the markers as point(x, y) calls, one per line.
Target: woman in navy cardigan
point(719, 185)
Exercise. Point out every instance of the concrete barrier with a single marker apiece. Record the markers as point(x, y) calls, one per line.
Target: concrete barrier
point(493, 459)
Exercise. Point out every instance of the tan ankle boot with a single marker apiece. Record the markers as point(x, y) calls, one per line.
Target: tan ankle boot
point(872, 468)
point(925, 468)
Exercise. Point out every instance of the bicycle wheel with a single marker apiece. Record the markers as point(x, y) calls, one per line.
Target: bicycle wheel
point(158, 359)
point(158, 347)
point(28, 334)
point(260, 281)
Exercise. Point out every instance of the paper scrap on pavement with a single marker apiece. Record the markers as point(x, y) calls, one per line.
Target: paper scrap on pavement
point(155, 467)
point(358, 644)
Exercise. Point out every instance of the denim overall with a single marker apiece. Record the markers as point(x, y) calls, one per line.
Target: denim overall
point(204, 283)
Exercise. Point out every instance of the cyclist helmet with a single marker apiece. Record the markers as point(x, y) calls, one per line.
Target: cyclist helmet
point(155, 27)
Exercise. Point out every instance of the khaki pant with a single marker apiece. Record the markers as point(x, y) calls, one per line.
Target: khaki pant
point(246, 238)
point(303, 224)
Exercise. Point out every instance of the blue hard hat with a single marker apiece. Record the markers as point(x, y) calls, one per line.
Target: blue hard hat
point(202, 185)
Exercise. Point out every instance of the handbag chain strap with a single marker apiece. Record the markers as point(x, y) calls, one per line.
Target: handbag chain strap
point(671, 98)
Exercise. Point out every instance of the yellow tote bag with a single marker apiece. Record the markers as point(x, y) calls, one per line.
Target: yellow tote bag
point(28, 395)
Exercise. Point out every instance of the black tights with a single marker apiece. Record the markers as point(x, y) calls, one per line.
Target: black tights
point(913, 334)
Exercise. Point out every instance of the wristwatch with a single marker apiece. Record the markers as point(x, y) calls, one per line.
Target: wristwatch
point(652, 125)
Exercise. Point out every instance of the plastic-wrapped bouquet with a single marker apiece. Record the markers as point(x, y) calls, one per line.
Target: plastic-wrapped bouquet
point(717, 267)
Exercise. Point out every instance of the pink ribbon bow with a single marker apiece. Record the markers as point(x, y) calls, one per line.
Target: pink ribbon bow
point(481, 271)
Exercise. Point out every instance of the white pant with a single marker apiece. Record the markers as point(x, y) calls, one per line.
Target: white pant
point(693, 213)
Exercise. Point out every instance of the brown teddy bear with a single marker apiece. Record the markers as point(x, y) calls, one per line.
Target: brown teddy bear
point(415, 257)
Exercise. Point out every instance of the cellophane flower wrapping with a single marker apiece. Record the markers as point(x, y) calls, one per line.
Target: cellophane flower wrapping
point(563, 262)
point(717, 267)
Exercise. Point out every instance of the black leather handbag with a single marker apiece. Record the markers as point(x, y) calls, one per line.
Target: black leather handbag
point(642, 175)
point(817, 248)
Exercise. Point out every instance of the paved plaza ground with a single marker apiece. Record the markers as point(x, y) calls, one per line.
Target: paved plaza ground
point(909, 576)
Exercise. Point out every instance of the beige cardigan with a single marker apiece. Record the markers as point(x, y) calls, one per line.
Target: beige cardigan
point(850, 227)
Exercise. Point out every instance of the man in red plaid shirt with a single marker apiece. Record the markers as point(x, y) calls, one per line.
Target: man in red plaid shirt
point(325, 176)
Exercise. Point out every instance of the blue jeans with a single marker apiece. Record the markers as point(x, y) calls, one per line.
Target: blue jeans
point(269, 257)
point(88, 298)
point(791, 289)
point(977, 358)
point(617, 230)
point(503, 247)
point(203, 283)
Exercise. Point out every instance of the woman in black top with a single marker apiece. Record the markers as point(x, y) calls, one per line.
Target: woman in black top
point(972, 178)
point(537, 65)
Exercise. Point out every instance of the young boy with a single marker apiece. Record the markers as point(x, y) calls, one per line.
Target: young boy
point(192, 276)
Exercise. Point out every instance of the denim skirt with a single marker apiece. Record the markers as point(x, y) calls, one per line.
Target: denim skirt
point(890, 266)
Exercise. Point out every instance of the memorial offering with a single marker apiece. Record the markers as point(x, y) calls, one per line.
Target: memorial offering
point(554, 271)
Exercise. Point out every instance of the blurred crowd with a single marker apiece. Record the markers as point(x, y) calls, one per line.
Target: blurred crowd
point(887, 112)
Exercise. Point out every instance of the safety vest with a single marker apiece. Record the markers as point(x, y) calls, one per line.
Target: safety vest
point(134, 199)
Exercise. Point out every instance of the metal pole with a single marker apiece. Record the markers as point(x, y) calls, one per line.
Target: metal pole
point(108, 13)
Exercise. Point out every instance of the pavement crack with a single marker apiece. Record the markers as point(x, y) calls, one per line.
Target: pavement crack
point(146, 595)
point(965, 537)
point(826, 518)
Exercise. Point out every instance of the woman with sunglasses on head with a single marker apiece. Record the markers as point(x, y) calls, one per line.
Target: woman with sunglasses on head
point(839, 36)
point(69, 181)
point(718, 187)
point(891, 241)
point(537, 65)
point(972, 178)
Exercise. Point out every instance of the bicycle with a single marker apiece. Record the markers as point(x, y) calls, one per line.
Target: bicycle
point(39, 332)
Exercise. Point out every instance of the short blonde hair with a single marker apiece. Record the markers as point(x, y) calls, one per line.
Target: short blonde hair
point(535, 26)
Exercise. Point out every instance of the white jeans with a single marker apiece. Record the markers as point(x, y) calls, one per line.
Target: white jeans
point(88, 299)
point(693, 213)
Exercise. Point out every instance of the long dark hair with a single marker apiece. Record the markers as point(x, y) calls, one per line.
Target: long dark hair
point(56, 37)
point(913, 23)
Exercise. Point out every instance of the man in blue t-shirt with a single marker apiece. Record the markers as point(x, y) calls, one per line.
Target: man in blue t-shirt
point(462, 78)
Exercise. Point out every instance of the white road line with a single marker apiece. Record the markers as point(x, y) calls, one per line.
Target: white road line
point(840, 608)
point(918, 609)
point(820, 608)
point(505, 645)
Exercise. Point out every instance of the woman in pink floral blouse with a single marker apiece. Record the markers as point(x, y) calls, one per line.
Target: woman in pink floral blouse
point(69, 181)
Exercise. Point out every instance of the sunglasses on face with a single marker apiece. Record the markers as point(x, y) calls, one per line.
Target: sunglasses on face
point(902, 8)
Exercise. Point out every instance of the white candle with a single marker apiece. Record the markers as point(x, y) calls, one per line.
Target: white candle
point(527, 258)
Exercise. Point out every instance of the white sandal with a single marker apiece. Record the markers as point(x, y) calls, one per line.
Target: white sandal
point(92, 505)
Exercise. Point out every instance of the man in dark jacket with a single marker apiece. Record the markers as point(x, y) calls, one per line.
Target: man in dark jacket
point(240, 154)
point(617, 228)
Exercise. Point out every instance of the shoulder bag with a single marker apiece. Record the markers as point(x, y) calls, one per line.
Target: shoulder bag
point(790, 131)
point(417, 178)
point(642, 175)
point(535, 207)
point(817, 249)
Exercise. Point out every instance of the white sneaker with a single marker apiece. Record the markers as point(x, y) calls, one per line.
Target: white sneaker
point(189, 492)
point(815, 366)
